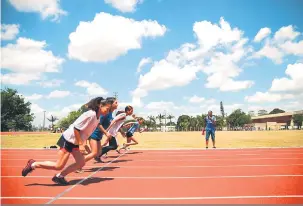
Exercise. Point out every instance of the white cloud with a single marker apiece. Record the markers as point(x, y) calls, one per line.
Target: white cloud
point(35, 108)
point(46, 8)
point(33, 97)
point(9, 31)
point(210, 101)
point(64, 111)
point(19, 78)
point(286, 33)
point(92, 89)
point(221, 69)
point(295, 48)
point(218, 50)
point(210, 35)
point(271, 52)
point(232, 85)
point(38, 113)
point(107, 37)
point(161, 106)
point(292, 84)
point(282, 89)
point(260, 97)
point(294, 105)
point(196, 99)
point(124, 5)
point(165, 74)
point(28, 59)
point(155, 108)
point(142, 63)
point(59, 113)
point(58, 94)
point(174, 70)
point(215, 108)
point(282, 44)
point(263, 33)
point(51, 83)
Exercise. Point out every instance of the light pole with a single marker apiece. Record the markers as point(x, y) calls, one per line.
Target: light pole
point(164, 120)
point(43, 120)
point(116, 95)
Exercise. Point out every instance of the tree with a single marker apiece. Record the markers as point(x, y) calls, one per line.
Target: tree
point(222, 109)
point(298, 119)
point(160, 117)
point(262, 112)
point(201, 121)
point(193, 123)
point(238, 118)
point(219, 122)
point(251, 113)
point(152, 122)
point(277, 111)
point(183, 122)
point(170, 117)
point(71, 117)
point(52, 119)
point(15, 111)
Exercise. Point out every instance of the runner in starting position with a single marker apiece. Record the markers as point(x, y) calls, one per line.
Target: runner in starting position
point(114, 128)
point(72, 141)
point(130, 133)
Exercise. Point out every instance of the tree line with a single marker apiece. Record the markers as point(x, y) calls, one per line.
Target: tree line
point(16, 115)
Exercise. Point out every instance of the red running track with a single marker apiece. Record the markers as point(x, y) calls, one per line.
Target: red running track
point(251, 176)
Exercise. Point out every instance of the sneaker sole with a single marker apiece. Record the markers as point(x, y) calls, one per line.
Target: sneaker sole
point(29, 164)
point(59, 183)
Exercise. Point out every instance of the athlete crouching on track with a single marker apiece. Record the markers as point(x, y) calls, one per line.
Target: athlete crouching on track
point(71, 142)
point(130, 133)
point(96, 137)
point(114, 128)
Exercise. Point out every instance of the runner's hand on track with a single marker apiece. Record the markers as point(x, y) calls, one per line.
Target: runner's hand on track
point(82, 148)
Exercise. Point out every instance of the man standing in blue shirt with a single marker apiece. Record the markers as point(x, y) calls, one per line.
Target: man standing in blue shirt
point(210, 124)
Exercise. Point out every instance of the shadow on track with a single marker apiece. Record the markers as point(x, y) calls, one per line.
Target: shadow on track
point(89, 181)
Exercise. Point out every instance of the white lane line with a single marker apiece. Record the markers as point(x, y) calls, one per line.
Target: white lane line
point(169, 177)
point(89, 176)
point(178, 155)
point(184, 166)
point(162, 198)
point(192, 159)
point(173, 149)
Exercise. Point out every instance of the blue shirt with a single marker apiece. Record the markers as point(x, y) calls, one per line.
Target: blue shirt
point(105, 122)
point(209, 124)
point(133, 128)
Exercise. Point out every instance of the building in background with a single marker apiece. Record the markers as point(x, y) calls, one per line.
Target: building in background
point(279, 121)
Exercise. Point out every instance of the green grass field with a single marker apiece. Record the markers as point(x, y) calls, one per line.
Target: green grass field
point(230, 139)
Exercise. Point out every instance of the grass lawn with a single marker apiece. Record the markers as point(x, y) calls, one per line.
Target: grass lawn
point(238, 139)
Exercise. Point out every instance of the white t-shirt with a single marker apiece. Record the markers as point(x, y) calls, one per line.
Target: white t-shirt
point(113, 131)
point(86, 123)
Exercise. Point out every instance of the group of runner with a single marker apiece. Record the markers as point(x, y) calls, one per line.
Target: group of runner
point(91, 126)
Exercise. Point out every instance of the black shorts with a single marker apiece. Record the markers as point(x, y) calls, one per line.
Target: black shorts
point(129, 134)
point(67, 146)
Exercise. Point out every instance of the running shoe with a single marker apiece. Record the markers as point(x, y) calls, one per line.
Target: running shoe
point(60, 180)
point(98, 159)
point(79, 170)
point(28, 168)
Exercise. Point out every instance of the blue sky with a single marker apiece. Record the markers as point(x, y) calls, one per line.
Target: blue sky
point(247, 54)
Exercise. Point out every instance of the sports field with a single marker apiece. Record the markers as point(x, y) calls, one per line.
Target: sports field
point(225, 139)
